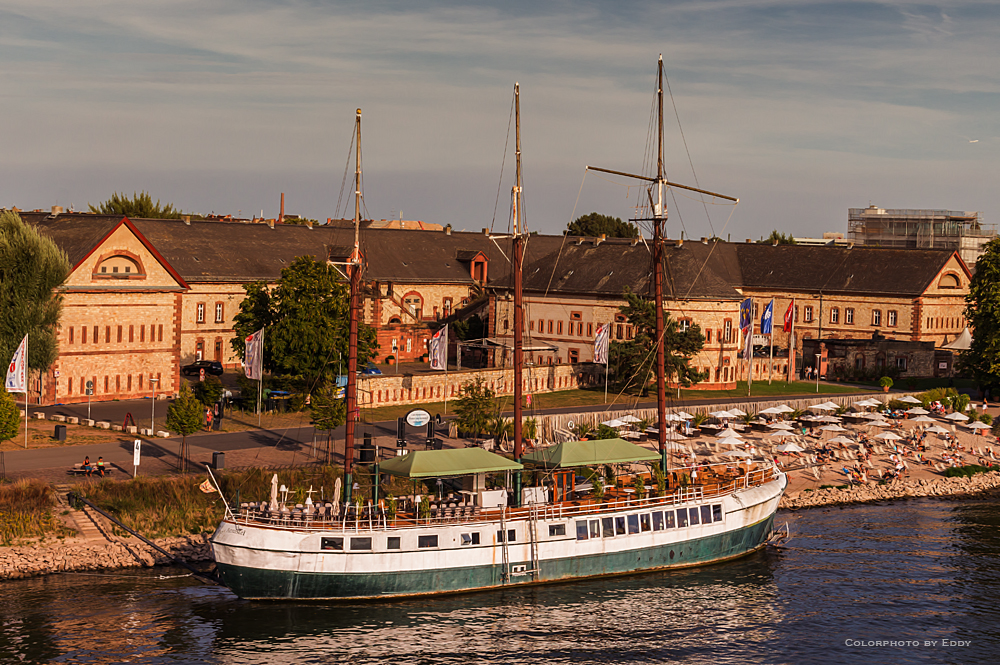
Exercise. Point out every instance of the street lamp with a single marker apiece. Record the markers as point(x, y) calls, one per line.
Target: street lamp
point(818, 356)
point(152, 414)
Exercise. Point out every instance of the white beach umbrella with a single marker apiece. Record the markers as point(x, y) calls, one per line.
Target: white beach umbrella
point(789, 448)
point(731, 441)
point(888, 436)
point(671, 417)
point(879, 423)
point(737, 412)
point(629, 418)
point(614, 422)
point(917, 411)
point(722, 414)
point(736, 453)
point(784, 408)
point(771, 411)
point(956, 416)
point(841, 439)
point(978, 425)
point(910, 399)
point(685, 415)
point(779, 432)
point(833, 428)
point(832, 405)
point(828, 419)
point(936, 429)
point(822, 406)
point(922, 419)
point(729, 431)
point(784, 426)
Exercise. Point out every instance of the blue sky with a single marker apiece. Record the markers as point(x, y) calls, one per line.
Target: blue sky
point(802, 109)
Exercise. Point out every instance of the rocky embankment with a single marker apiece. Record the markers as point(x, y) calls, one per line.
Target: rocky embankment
point(30, 561)
point(898, 489)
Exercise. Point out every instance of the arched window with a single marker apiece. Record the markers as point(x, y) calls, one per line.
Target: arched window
point(949, 281)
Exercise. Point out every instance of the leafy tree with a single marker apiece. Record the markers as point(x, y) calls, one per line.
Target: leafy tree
point(778, 239)
point(307, 319)
point(982, 310)
point(10, 416)
point(476, 407)
point(209, 391)
point(297, 220)
point(186, 415)
point(139, 206)
point(471, 328)
point(32, 267)
point(633, 360)
point(596, 224)
point(328, 413)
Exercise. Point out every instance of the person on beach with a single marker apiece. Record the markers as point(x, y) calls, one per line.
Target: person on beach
point(86, 465)
point(208, 419)
point(100, 466)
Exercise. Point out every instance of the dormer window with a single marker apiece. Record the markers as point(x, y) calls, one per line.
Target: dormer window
point(119, 266)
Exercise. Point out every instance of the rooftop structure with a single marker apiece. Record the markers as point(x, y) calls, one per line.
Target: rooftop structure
point(962, 231)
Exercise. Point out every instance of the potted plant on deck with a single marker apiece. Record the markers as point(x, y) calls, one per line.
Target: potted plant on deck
point(886, 383)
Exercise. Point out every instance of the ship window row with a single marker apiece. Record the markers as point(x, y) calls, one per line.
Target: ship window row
point(660, 520)
point(360, 544)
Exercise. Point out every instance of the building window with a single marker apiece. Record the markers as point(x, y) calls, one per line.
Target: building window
point(119, 334)
point(708, 336)
point(756, 311)
point(849, 315)
point(83, 334)
point(901, 363)
point(200, 313)
point(446, 306)
point(807, 315)
point(220, 312)
point(550, 326)
point(575, 316)
point(199, 350)
point(107, 334)
point(142, 333)
point(727, 331)
point(890, 318)
point(876, 317)
point(161, 332)
point(131, 333)
point(574, 356)
point(95, 334)
point(683, 325)
point(71, 334)
point(835, 315)
point(541, 326)
point(106, 384)
point(531, 325)
point(559, 327)
point(590, 330)
point(619, 331)
point(796, 314)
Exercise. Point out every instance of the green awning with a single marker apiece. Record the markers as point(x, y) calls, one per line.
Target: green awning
point(590, 453)
point(450, 462)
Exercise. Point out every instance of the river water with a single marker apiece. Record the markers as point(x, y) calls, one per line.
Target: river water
point(907, 582)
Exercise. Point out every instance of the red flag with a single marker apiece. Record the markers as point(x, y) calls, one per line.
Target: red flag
point(789, 316)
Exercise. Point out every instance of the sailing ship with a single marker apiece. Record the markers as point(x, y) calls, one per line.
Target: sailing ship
point(487, 531)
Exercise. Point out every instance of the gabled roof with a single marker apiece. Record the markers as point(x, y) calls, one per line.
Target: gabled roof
point(590, 453)
point(448, 462)
point(859, 269)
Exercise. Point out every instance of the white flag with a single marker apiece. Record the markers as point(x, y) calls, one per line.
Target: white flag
point(253, 357)
point(437, 351)
point(17, 381)
point(601, 344)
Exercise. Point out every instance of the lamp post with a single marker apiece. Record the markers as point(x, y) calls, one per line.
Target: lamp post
point(152, 414)
point(818, 356)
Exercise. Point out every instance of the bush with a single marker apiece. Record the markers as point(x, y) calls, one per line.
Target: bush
point(209, 391)
point(885, 382)
point(966, 471)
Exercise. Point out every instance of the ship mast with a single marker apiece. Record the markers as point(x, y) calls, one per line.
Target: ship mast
point(518, 258)
point(354, 272)
point(658, 219)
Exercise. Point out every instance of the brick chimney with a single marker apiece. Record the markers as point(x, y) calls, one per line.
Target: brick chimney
point(281, 214)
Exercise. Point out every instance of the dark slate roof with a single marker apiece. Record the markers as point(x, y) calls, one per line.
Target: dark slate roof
point(857, 269)
point(75, 234)
point(584, 265)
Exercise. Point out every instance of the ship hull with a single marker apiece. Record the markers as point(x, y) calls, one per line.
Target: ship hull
point(280, 564)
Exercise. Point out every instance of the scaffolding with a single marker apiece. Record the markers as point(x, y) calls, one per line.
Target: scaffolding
point(962, 231)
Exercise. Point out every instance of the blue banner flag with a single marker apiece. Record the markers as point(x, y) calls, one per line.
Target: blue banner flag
point(767, 318)
point(746, 314)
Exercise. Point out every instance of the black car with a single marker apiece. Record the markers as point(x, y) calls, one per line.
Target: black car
point(210, 367)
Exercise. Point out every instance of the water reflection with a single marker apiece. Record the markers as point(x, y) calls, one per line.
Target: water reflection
point(919, 570)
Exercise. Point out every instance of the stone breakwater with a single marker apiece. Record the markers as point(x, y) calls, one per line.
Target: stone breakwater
point(898, 489)
point(31, 561)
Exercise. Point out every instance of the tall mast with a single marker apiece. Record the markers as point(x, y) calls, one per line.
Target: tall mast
point(354, 269)
point(518, 258)
point(659, 215)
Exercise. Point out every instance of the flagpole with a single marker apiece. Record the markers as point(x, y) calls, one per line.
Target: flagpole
point(791, 345)
point(770, 365)
point(446, 369)
point(749, 352)
point(260, 375)
point(26, 392)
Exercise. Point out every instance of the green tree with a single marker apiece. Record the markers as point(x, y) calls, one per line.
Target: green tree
point(140, 206)
point(471, 328)
point(476, 407)
point(32, 268)
point(209, 391)
point(778, 239)
point(10, 416)
point(307, 321)
point(596, 224)
point(328, 413)
point(982, 310)
point(186, 415)
point(633, 360)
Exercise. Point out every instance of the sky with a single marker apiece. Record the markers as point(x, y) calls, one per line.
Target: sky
point(801, 109)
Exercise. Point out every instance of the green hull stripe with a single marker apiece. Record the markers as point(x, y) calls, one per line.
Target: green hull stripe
point(262, 584)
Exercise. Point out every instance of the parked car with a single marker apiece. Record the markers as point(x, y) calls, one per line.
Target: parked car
point(370, 371)
point(210, 367)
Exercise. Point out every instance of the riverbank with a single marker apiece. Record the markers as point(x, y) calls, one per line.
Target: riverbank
point(898, 489)
point(37, 560)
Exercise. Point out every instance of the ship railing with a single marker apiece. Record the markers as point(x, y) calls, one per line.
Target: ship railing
point(373, 518)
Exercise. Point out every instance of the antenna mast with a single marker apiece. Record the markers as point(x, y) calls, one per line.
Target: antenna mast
point(354, 268)
point(518, 259)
